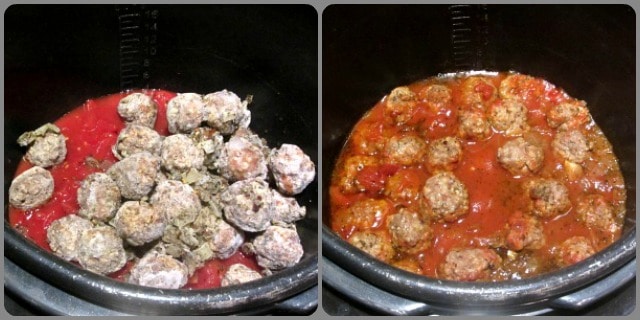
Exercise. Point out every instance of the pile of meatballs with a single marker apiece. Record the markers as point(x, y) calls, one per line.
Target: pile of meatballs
point(171, 203)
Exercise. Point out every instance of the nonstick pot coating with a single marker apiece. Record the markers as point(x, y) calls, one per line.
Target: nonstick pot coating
point(58, 56)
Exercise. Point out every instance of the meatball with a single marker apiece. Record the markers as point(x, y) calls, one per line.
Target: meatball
point(47, 146)
point(225, 112)
point(248, 204)
point(278, 247)
point(351, 166)
point(135, 175)
point(436, 96)
point(63, 235)
point(568, 115)
point(365, 214)
point(242, 159)
point(399, 105)
point(548, 197)
point(138, 108)
point(292, 169)
point(185, 112)
point(597, 213)
point(509, 117)
point(405, 149)
point(179, 154)
point(403, 187)
point(225, 239)
point(473, 125)
point(375, 244)
point(525, 232)
point(572, 146)
point(100, 250)
point(521, 87)
point(408, 231)
point(444, 153)
point(445, 196)
point(159, 270)
point(476, 92)
point(286, 209)
point(31, 189)
point(138, 223)
point(520, 157)
point(177, 202)
point(573, 250)
point(136, 138)
point(239, 273)
point(470, 264)
point(98, 197)
point(211, 142)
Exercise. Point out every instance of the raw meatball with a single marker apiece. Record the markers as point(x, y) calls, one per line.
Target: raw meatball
point(47, 146)
point(138, 223)
point(98, 197)
point(445, 196)
point(473, 125)
point(521, 87)
point(376, 244)
point(185, 112)
point(177, 202)
point(248, 204)
point(568, 115)
point(292, 169)
point(408, 231)
point(278, 248)
point(436, 96)
point(406, 149)
point(365, 214)
point(159, 270)
point(476, 92)
point(179, 154)
point(138, 108)
point(239, 273)
point(135, 175)
point(225, 239)
point(351, 167)
point(399, 105)
point(31, 188)
point(136, 138)
point(444, 153)
point(242, 158)
point(286, 209)
point(548, 197)
point(572, 146)
point(509, 117)
point(470, 264)
point(597, 213)
point(211, 142)
point(100, 250)
point(525, 232)
point(573, 250)
point(520, 157)
point(63, 235)
point(225, 112)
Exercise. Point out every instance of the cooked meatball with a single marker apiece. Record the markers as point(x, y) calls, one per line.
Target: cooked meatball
point(177, 202)
point(211, 142)
point(444, 153)
point(225, 112)
point(445, 196)
point(573, 250)
point(100, 250)
point(366, 214)
point(138, 108)
point(239, 273)
point(399, 105)
point(525, 232)
point(521, 87)
point(242, 159)
point(278, 247)
point(473, 125)
point(568, 115)
point(520, 157)
point(179, 154)
point(31, 189)
point(403, 187)
point(476, 92)
point(136, 138)
point(286, 209)
point(351, 167)
point(225, 239)
point(159, 270)
point(470, 264)
point(98, 197)
point(292, 169)
point(248, 204)
point(597, 213)
point(572, 146)
point(135, 175)
point(436, 96)
point(138, 223)
point(376, 244)
point(405, 149)
point(408, 231)
point(63, 235)
point(548, 197)
point(509, 117)
point(185, 112)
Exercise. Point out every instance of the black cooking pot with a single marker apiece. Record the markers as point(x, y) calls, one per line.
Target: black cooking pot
point(57, 57)
point(368, 50)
